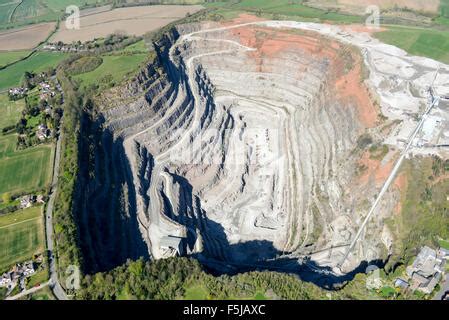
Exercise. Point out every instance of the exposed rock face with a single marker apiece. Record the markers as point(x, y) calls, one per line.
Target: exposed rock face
point(244, 141)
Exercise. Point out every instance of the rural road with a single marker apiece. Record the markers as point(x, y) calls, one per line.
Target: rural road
point(29, 291)
point(54, 282)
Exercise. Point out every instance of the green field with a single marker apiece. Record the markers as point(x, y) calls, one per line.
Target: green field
point(294, 11)
point(135, 48)
point(6, 8)
point(60, 5)
point(10, 111)
point(12, 75)
point(417, 41)
point(23, 171)
point(21, 236)
point(30, 9)
point(7, 146)
point(7, 57)
point(113, 69)
point(34, 11)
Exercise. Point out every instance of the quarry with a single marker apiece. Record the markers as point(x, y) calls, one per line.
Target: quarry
point(256, 143)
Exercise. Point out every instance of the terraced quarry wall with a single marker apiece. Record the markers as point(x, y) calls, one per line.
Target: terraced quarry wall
point(249, 141)
point(242, 141)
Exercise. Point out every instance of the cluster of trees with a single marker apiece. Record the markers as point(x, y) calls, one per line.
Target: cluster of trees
point(115, 41)
point(30, 79)
point(171, 278)
point(439, 166)
point(79, 64)
point(168, 279)
point(35, 107)
point(65, 224)
point(77, 103)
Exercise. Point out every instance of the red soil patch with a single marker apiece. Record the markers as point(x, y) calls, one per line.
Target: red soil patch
point(379, 173)
point(350, 87)
point(272, 43)
point(244, 18)
point(375, 170)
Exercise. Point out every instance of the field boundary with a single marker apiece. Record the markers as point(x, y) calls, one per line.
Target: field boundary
point(36, 224)
point(20, 222)
point(32, 50)
point(14, 11)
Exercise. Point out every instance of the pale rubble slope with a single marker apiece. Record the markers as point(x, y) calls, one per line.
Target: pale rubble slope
point(249, 153)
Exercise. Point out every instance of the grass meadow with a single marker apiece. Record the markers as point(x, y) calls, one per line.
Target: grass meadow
point(21, 236)
point(10, 111)
point(418, 41)
point(23, 171)
point(114, 69)
point(12, 75)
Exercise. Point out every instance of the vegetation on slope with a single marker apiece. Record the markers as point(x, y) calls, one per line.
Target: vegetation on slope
point(424, 218)
point(112, 70)
point(175, 277)
point(78, 89)
point(84, 64)
point(65, 227)
point(184, 278)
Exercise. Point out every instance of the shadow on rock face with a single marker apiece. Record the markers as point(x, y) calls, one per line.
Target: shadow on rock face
point(219, 256)
point(308, 271)
point(108, 232)
point(109, 235)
